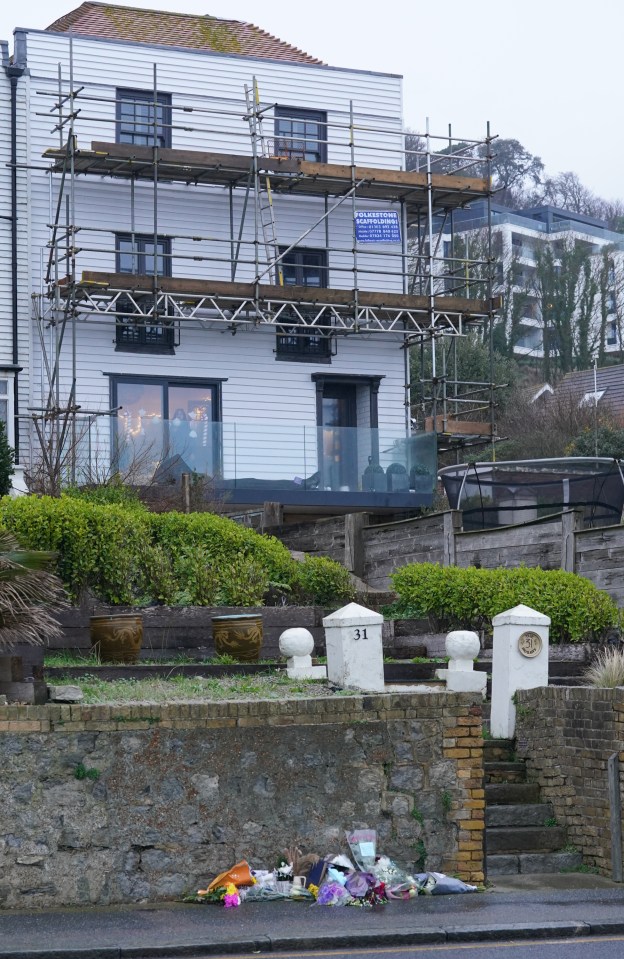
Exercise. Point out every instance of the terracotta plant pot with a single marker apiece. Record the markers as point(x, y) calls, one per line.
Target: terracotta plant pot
point(239, 636)
point(117, 638)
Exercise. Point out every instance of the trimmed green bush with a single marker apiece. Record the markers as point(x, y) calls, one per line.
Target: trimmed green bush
point(125, 554)
point(222, 539)
point(455, 598)
point(322, 581)
point(99, 547)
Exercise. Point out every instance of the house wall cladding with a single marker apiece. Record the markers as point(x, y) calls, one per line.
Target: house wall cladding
point(247, 361)
point(204, 785)
point(585, 727)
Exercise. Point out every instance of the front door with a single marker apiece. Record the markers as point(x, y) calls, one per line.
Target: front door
point(338, 440)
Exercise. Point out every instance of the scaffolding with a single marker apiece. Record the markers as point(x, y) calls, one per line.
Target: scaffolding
point(420, 293)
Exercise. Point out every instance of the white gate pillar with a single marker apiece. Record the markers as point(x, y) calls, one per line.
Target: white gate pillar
point(354, 648)
point(519, 661)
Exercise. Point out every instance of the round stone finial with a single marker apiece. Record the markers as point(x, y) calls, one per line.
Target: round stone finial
point(462, 644)
point(296, 641)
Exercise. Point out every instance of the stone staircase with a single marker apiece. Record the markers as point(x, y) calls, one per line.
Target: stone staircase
point(521, 834)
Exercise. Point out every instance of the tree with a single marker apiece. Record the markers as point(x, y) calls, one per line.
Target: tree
point(604, 440)
point(547, 427)
point(515, 171)
point(567, 286)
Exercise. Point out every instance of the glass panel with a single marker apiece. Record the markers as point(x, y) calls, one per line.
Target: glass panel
point(4, 414)
point(139, 446)
point(4, 387)
point(191, 414)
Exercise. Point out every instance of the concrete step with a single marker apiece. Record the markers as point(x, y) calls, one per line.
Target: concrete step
point(553, 862)
point(511, 794)
point(498, 750)
point(523, 839)
point(520, 815)
point(505, 772)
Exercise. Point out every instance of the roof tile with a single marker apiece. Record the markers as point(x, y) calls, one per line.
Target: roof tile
point(197, 32)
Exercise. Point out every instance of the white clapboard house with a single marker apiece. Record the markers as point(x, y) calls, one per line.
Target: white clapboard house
point(206, 263)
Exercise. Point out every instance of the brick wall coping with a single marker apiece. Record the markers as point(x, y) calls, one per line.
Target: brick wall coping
point(380, 707)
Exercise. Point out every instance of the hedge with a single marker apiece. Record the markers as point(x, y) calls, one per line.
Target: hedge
point(124, 554)
point(455, 598)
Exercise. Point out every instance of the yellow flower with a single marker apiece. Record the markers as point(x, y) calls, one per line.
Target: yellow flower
point(313, 889)
point(230, 889)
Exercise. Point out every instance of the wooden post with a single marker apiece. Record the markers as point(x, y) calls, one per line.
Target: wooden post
point(186, 492)
point(272, 515)
point(452, 525)
point(354, 543)
point(570, 523)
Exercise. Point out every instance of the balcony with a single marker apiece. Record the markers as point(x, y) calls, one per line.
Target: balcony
point(248, 463)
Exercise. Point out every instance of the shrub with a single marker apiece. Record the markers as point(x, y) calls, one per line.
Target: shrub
point(222, 539)
point(607, 669)
point(469, 598)
point(124, 554)
point(100, 547)
point(114, 493)
point(322, 581)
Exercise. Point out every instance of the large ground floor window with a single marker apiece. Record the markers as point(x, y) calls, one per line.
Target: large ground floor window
point(165, 426)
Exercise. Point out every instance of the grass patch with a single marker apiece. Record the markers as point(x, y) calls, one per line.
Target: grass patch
point(199, 689)
point(63, 658)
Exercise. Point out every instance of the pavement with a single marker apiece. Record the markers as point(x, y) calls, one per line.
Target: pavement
point(515, 907)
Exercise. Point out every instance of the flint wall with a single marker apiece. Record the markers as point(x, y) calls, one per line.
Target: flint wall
point(185, 790)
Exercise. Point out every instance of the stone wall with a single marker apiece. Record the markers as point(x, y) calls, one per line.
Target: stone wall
point(183, 791)
point(585, 726)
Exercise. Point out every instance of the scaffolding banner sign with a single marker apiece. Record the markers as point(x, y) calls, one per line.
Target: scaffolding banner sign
point(377, 226)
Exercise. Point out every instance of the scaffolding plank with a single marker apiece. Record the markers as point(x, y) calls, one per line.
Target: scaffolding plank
point(288, 175)
point(190, 286)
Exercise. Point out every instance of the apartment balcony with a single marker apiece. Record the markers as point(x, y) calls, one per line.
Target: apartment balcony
point(249, 463)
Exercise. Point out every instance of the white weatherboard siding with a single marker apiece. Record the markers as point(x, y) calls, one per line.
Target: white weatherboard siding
point(271, 399)
point(23, 237)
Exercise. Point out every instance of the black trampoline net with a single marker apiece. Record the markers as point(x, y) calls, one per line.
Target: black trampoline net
point(507, 493)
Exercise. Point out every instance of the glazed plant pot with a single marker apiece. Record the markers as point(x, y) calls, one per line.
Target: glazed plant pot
point(117, 638)
point(239, 636)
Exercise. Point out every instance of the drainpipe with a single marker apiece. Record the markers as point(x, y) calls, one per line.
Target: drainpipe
point(14, 71)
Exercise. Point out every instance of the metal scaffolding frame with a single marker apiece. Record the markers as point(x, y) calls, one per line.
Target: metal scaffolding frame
point(434, 308)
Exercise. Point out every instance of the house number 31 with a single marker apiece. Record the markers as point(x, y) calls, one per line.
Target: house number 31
point(360, 633)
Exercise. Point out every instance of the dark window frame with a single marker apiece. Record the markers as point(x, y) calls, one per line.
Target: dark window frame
point(133, 130)
point(215, 383)
point(286, 137)
point(289, 344)
point(143, 338)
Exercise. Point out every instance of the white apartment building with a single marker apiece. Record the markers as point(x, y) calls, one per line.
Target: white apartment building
point(516, 237)
point(207, 233)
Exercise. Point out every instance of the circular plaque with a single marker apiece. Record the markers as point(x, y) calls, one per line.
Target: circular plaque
point(530, 644)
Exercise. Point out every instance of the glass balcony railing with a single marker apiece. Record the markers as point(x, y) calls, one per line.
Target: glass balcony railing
point(261, 456)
